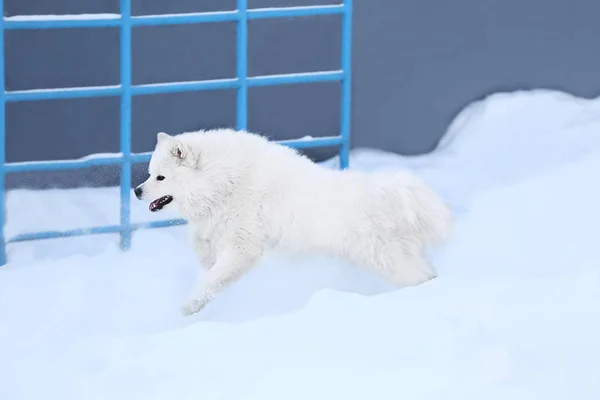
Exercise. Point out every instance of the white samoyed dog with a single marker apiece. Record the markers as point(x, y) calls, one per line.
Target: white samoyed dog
point(243, 195)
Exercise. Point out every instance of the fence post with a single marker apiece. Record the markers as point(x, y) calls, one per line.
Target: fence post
point(242, 65)
point(346, 84)
point(2, 142)
point(125, 52)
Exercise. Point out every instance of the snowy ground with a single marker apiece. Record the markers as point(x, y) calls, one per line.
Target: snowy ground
point(514, 314)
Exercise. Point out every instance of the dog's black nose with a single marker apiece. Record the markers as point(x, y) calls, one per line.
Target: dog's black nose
point(138, 192)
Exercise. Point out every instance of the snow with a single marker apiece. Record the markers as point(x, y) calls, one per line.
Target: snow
point(514, 313)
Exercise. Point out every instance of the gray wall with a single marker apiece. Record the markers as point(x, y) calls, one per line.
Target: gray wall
point(416, 63)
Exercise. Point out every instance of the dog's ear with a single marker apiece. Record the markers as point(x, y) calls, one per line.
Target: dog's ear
point(161, 136)
point(178, 149)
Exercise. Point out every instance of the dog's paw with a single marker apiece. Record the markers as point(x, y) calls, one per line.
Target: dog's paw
point(191, 307)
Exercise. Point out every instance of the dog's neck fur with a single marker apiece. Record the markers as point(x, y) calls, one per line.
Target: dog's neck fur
point(200, 207)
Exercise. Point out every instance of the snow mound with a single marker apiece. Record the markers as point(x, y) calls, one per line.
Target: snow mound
point(513, 315)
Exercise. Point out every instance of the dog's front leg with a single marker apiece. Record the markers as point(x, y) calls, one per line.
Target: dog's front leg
point(202, 246)
point(230, 264)
point(205, 253)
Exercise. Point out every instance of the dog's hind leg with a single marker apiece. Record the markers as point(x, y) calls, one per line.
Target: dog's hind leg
point(407, 270)
point(231, 263)
point(400, 262)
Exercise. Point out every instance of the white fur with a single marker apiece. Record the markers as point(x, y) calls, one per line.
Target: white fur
point(243, 195)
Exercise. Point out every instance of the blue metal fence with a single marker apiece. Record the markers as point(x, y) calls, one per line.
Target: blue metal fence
point(126, 90)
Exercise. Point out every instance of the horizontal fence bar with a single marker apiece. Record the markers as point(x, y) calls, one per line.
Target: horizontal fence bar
point(98, 230)
point(181, 19)
point(171, 87)
point(26, 237)
point(291, 12)
point(141, 157)
point(308, 143)
point(112, 20)
point(93, 161)
point(62, 21)
point(158, 224)
point(66, 93)
point(58, 165)
point(305, 77)
point(179, 87)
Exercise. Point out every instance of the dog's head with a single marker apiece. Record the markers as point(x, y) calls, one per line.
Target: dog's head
point(172, 169)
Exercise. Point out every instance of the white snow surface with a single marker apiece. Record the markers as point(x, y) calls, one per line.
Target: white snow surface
point(514, 313)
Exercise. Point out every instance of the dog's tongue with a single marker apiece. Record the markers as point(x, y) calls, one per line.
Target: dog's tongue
point(154, 205)
point(158, 204)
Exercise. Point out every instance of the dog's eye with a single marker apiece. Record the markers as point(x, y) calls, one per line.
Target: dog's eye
point(160, 178)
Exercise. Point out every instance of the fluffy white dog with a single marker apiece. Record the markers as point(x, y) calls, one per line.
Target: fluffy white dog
point(243, 195)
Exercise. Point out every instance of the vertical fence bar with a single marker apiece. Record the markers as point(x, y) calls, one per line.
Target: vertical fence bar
point(2, 141)
point(346, 84)
point(242, 65)
point(125, 145)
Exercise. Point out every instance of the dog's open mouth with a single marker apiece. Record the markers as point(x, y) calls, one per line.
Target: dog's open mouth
point(160, 203)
